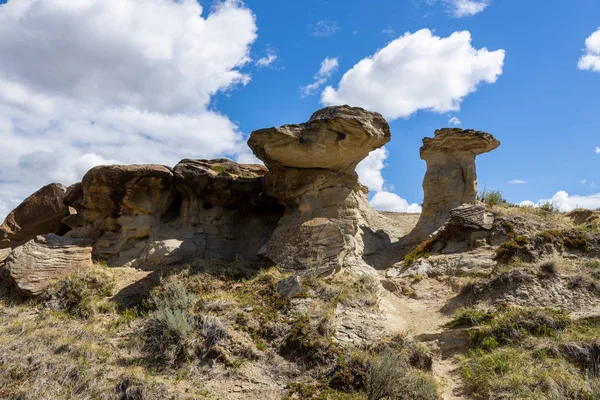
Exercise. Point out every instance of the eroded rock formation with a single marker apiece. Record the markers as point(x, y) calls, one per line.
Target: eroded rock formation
point(151, 215)
point(305, 210)
point(40, 213)
point(44, 260)
point(311, 172)
point(451, 177)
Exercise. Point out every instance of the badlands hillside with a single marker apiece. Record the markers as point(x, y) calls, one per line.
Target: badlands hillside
point(218, 280)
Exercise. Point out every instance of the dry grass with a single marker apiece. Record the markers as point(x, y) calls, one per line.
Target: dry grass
point(205, 321)
point(530, 353)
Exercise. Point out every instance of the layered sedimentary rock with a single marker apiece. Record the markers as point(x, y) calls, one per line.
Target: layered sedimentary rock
point(37, 264)
point(152, 215)
point(334, 138)
point(451, 178)
point(305, 210)
point(311, 172)
point(40, 213)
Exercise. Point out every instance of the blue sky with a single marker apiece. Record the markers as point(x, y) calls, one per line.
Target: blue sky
point(76, 91)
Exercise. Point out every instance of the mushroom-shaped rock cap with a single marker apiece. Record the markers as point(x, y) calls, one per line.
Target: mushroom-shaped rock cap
point(336, 138)
point(458, 141)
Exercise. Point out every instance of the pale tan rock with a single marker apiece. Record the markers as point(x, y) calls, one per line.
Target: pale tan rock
point(110, 191)
point(40, 213)
point(39, 263)
point(4, 255)
point(451, 178)
point(335, 138)
point(311, 172)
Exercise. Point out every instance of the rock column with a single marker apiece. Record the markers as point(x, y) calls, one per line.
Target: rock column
point(451, 178)
point(311, 172)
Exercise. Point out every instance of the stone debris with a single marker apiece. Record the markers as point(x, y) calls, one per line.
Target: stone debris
point(37, 264)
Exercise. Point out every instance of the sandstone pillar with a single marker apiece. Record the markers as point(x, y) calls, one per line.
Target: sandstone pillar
point(311, 172)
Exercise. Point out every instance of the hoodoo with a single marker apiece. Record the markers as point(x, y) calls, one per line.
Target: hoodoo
point(451, 177)
point(311, 172)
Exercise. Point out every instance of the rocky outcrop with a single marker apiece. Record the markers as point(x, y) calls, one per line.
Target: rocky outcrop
point(34, 266)
point(451, 178)
point(152, 215)
point(305, 210)
point(40, 213)
point(311, 172)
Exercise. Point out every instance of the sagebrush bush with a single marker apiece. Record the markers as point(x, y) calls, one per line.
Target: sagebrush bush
point(82, 294)
point(170, 336)
point(390, 377)
point(213, 331)
point(171, 293)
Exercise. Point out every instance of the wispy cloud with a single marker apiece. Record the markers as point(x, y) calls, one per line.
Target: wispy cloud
point(517, 182)
point(597, 149)
point(324, 28)
point(267, 60)
point(466, 8)
point(388, 32)
point(328, 67)
point(454, 121)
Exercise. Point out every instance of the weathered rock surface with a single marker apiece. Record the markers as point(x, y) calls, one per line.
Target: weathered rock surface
point(335, 138)
point(151, 215)
point(4, 255)
point(40, 213)
point(289, 287)
point(46, 259)
point(203, 184)
point(116, 190)
point(311, 172)
point(451, 178)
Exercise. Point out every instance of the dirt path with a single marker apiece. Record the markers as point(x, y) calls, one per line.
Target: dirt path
point(421, 318)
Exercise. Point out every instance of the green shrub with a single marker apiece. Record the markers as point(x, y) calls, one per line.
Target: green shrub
point(491, 197)
point(169, 336)
point(350, 373)
point(82, 294)
point(390, 377)
point(423, 250)
point(549, 207)
point(171, 293)
point(306, 343)
point(514, 248)
point(509, 324)
point(469, 317)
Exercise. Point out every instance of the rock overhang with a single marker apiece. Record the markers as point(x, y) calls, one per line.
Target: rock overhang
point(458, 141)
point(335, 138)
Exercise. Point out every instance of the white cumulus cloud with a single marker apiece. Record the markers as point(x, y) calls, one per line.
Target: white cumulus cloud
point(387, 201)
point(104, 81)
point(417, 71)
point(369, 173)
point(565, 202)
point(597, 149)
point(590, 61)
point(328, 67)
